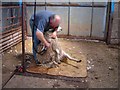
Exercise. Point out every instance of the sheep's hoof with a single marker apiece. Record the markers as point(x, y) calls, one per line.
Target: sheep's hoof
point(79, 61)
point(58, 62)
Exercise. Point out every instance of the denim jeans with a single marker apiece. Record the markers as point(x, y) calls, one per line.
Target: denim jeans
point(36, 40)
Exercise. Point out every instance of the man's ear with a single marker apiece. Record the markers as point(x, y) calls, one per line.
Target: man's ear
point(51, 21)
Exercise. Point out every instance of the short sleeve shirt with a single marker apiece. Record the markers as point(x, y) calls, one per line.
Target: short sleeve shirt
point(42, 20)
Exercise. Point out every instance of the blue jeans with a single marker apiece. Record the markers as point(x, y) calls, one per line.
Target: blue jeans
point(36, 40)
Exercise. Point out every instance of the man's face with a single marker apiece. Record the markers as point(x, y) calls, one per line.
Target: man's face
point(54, 25)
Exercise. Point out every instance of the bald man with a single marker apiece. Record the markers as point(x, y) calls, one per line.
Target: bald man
point(44, 21)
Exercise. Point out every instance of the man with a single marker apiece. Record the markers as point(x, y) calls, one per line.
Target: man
point(44, 20)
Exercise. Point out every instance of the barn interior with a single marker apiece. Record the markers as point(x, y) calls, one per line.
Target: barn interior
point(89, 32)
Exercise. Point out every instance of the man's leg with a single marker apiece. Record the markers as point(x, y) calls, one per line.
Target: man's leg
point(36, 42)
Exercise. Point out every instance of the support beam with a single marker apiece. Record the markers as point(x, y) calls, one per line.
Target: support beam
point(108, 24)
point(119, 21)
point(23, 37)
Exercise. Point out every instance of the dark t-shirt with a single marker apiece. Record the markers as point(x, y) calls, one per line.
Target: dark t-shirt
point(42, 20)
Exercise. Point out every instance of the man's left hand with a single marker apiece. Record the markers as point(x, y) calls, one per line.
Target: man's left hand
point(53, 35)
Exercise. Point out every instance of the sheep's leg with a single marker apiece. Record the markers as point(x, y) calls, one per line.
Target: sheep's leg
point(70, 58)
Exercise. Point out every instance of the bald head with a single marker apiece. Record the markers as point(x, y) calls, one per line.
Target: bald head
point(55, 21)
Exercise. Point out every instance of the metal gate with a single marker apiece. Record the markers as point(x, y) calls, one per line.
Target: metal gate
point(11, 33)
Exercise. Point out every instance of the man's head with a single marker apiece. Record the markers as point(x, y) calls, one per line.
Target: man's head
point(55, 21)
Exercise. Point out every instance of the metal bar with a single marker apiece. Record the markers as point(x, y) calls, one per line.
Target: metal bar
point(17, 41)
point(10, 43)
point(8, 80)
point(25, 24)
point(68, 20)
point(7, 6)
point(10, 25)
point(119, 26)
point(6, 40)
point(80, 37)
point(91, 20)
point(109, 25)
point(12, 17)
point(23, 38)
point(8, 34)
point(59, 77)
point(11, 12)
point(119, 43)
point(8, 37)
point(70, 4)
point(45, 5)
point(8, 31)
point(107, 22)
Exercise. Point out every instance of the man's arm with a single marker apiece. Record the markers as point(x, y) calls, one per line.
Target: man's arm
point(40, 36)
point(54, 34)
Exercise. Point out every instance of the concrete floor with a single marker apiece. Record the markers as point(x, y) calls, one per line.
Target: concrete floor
point(102, 67)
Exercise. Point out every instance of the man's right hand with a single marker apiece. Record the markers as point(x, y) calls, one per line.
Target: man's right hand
point(40, 36)
point(47, 44)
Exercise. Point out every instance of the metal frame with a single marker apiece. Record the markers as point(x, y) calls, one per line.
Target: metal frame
point(9, 31)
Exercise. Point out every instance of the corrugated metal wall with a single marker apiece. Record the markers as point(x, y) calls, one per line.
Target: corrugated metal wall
point(85, 19)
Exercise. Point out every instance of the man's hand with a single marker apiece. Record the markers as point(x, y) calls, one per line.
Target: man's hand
point(40, 36)
point(47, 44)
point(53, 35)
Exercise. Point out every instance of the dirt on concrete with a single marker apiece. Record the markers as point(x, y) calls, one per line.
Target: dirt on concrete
point(102, 66)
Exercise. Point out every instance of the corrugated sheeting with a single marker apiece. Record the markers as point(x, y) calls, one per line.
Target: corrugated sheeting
point(80, 21)
point(63, 12)
point(30, 11)
point(78, 18)
point(98, 24)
